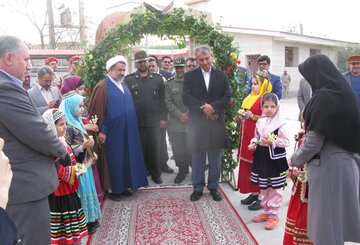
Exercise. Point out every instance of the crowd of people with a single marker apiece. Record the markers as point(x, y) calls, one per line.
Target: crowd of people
point(64, 156)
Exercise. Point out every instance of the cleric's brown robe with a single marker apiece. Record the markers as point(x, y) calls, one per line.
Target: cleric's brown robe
point(97, 105)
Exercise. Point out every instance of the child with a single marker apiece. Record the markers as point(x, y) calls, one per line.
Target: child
point(68, 222)
point(250, 112)
point(76, 136)
point(269, 165)
point(296, 218)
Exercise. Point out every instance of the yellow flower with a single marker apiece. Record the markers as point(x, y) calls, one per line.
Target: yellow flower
point(233, 55)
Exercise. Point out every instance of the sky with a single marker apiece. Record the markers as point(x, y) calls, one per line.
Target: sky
point(322, 18)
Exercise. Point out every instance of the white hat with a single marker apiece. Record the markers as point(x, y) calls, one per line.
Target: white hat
point(112, 61)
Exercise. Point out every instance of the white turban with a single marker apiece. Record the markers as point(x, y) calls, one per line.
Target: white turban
point(112, 61)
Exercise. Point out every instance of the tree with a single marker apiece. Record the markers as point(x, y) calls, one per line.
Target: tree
point(343, 54)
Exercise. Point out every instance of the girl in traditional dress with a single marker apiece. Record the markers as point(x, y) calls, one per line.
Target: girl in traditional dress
point(76, 136)
point(68, 222)
point(296, 218)
point(270, 164)
point(248, 115)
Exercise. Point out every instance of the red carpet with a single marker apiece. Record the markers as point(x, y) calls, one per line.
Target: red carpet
point(167, 216)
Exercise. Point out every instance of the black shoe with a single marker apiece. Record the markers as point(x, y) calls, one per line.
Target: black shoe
point(127, 193)
point(157, 180)
point(167, 169)
point(92, 227)
point(195, 196)
point(115, 197)
point(250, 199)
point(255, 206)
point(179, 178)
point(216, 195)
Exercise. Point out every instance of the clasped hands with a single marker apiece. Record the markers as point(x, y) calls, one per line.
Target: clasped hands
point(209, 112)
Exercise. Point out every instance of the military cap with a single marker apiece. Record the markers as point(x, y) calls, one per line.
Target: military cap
point(140, 56)
point(179, 62)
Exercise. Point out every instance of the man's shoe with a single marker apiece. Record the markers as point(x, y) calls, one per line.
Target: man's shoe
point(167, 169)
point(157, 180)
point(127, 193)
point(179, 178)
point(255, 206)
point(271, 222)
point(92, 227)
point(250, 199)
point(115, 197)
point(195, 196)
point(216, 196)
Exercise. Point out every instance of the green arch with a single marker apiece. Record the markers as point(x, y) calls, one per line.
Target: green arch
point(178, 26)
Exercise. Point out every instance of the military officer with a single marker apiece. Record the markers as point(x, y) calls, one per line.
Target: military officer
point(147, 90)
point(178, 119)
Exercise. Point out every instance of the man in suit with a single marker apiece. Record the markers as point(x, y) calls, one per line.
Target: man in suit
point(303, 95)
point(353, 75)
point(206, 92)
point(31, 147)
point(44, 95)
point(264, 65)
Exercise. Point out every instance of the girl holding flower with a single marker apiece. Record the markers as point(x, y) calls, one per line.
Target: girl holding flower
point(68, 222)
point(76, 136)
point(270, 164)
point(248, 115)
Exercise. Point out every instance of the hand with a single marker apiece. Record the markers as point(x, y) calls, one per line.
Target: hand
point(95, 157)
point(293, 172)
point(88, 143)
point(252, 147)
point(265, 141)
point(5, 176)
point(207, 109)
point(248, 115)
point(102, 137)
point(214, 117)
point(163, 124)
point(51, 104)
point(91, 127)
point(184, 117)
point(239, 118)
point(289, 162)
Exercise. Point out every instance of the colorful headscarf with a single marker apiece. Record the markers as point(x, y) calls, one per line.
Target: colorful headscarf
point(51, 116)
point(70, 106)
point(265, 87)
point(71, 83)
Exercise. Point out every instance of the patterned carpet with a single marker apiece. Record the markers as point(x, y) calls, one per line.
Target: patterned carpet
point(166, 216)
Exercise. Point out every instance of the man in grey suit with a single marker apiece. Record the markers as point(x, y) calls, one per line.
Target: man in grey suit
point(303, 95)
point(29, 144)
point(43, 94)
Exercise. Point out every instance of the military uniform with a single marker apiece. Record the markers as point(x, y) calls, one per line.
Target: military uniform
point(176, 128)
point(148, 97)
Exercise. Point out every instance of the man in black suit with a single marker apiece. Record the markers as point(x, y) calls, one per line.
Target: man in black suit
point(31, 147)
point(206, 93)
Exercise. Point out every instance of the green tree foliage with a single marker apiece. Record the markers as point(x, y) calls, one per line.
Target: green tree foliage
point(176, 26)
point(343, 54)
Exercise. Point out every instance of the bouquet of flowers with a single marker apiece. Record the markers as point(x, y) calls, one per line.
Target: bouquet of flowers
point(242, 112)
point(80, 169)
point(272, 137)
point(94, 120)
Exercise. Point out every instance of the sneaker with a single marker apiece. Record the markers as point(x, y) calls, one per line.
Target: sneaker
point(260, 218)
point(271, 222)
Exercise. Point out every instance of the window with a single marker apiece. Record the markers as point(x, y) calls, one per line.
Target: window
point(291, 56)
point(314, 51)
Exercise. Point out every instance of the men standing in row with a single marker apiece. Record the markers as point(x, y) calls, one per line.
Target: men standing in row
point(206, 93)
point(264, 65)
point(31, 147)
point(44, 95)
point(111, 102)
point(147, 90)
point(353, 75)
point(179, 115)
point(285, 81)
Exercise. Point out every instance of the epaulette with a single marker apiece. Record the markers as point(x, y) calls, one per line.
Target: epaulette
point(130, 74)
point(171, 78)
point(156, 74)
